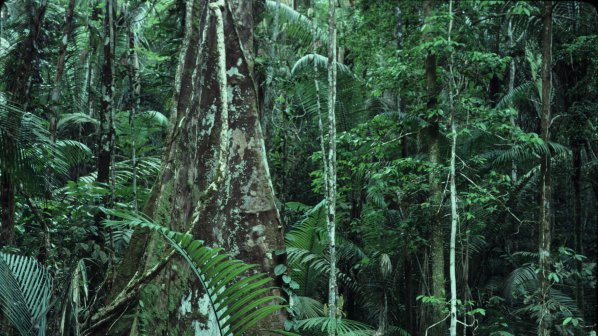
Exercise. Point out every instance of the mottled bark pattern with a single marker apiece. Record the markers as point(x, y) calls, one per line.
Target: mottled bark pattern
point(331, 162)
point(241, 216)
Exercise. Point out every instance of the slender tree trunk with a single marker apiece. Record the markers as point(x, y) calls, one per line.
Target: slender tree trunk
point(106, 112)
point(437, 236)
point(577, 218)
point(545, 218)
point(55, 95)
point(106, 115)
point(331, 178)
point(512, 70)
point(453, 187)
point(135, 81)
point(454, 224)
point(269, 89)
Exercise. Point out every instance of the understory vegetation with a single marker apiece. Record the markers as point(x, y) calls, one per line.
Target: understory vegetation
point(298, 167)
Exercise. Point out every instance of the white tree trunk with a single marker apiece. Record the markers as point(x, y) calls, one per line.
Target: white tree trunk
point(453, 187)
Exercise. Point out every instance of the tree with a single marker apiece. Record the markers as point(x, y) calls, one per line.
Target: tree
point(215, 183)
point(433, 138)
point(453, 187)
point(545, 218)
point(105, 136)
point(330, 162)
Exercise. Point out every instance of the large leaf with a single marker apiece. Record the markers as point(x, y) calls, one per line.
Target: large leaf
point(238, 301)
point(296, 25)
point(25, 288)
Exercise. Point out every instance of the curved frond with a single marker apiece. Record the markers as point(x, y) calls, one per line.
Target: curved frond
point(238, 301)
point(25, 289)
point(306, 64)
point(521, 92)
point(296, 25)
point(76, 119)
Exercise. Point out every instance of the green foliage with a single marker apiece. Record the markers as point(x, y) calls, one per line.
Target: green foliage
point(238, 296)
point(25, 288)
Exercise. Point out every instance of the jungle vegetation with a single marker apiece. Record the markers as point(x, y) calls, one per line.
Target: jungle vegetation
point(298, 167)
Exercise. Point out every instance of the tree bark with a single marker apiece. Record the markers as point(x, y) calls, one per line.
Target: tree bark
point(437, 236)
point(545, 218)
point(577, 218)
point(453, 187)
point(55, 94)
point(512, 69)
point(238, 213)
point(106, 133)
point(135, 82)
point(331, 158)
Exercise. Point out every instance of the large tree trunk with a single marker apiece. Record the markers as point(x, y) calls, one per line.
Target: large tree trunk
point(545, 220)
point(238, 213)
point(437, 236)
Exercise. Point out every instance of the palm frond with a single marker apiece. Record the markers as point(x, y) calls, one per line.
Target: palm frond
point(521, 281)
point(304, 307)
point(522, 91)
point(25, 288)
point(237, 300)
point(306, 64)
point(76, 119)
point(296, 25)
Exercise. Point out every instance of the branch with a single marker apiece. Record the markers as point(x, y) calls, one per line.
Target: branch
point(435, 324)
point(496, 199)
point(126, 296)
